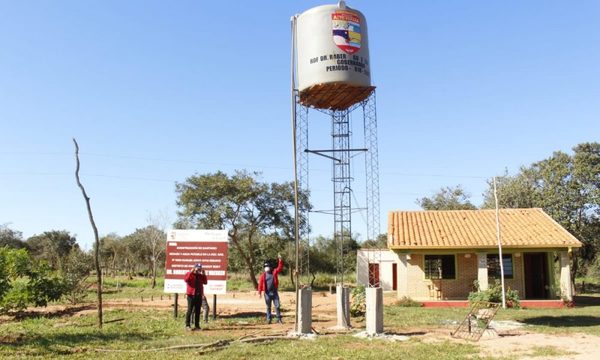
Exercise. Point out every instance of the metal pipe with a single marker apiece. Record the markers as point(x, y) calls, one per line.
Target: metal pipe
point(296, 207)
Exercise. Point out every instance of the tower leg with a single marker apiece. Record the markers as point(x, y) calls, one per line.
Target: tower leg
point(305, 311)
point(374, 316)
point(343, 307)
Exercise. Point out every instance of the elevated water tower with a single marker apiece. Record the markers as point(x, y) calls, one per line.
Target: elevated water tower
point(331, 74)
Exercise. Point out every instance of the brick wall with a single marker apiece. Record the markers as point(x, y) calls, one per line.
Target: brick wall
point(517, 282)
point(454, 289)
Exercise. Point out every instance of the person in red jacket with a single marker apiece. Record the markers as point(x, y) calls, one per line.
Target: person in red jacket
point(268, 283)
point(195, 280)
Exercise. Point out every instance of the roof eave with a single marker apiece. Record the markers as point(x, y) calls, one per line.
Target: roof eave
point(464, 247)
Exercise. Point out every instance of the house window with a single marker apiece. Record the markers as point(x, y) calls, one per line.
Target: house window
point(440, 267)
point(493, 266)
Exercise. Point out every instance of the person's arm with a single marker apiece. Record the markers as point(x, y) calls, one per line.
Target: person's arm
point(261, 282)
point(188, 277)
point(203, 277)
point(279, 267)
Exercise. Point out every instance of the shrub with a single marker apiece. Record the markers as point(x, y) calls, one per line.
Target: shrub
point(359, 301)
point(75, 270)
point(494, 294)
point(25, 282)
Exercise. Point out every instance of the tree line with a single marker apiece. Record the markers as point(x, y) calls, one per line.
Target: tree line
point(259, 217)
point(565, 185)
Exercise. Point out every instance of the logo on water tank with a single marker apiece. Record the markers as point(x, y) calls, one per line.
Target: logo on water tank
point(346, 31)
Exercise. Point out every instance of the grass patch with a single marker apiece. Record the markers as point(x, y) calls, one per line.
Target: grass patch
point(77, 337)
point(546, 351)
point(581, 319)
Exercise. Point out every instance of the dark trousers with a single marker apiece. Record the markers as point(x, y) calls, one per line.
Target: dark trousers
point(272, 297)
point(194, 303)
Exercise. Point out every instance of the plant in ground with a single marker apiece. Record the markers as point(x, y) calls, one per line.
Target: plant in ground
point(359, 301)
point(494, 294)
point(25, 282)
point(76, 268)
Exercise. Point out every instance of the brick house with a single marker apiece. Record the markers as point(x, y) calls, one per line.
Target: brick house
point(441, 253)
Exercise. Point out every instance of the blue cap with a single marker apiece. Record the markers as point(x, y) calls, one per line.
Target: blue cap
point(198, 265)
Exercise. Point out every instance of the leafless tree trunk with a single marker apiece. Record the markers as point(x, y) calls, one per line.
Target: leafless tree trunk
point(157, 239)
point(96, 237)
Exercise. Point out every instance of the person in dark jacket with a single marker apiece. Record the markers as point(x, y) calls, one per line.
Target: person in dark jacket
point(195, 280)
point(268, 283)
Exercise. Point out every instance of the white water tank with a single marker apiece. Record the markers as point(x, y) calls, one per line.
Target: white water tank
point(332, 49)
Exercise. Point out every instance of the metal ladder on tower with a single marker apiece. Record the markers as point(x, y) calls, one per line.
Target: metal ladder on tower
point(477, 321)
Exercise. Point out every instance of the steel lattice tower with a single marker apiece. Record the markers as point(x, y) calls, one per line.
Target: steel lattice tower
point(341, 155)
point(342, 185)
point(371, 167)
point(303, 185)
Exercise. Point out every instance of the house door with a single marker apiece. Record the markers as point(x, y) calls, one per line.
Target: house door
point(536, 275)
point(374, 275)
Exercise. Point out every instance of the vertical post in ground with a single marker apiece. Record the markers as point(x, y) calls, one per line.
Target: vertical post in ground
point(374, 316)
point(343, 306)
point(175, 306)
point(305, 311)
point(214, 314)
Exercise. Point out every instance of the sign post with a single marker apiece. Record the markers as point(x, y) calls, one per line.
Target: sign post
point(188, 247)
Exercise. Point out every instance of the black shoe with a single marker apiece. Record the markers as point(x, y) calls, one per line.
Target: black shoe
point(269, 321)
point(279, 321)
point(197, 328)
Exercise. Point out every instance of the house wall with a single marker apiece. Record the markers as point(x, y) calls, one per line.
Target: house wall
point(518, 280)
point(385, 259)
point(420, 288)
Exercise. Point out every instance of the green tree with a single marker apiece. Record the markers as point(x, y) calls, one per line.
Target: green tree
point(325, 255)
point(52, 246)
point(112, 253)
point(241, 204)
point(379, 243)
point(567, 187)
point(447, 198)
point(11, 238)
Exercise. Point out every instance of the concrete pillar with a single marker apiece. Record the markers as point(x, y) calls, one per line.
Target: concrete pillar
point(374, 316)
point(343, 306)
point(482, 272)
point(304, 311)
point(566, 289)
point(402, 279)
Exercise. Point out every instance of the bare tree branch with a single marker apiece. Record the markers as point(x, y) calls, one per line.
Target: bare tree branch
point(96, 237)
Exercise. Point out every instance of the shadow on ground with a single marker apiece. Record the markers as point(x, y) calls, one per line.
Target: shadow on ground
point(586, 300)
point(68, 311)
point(242, 315)
point(563, 321)
point(64, 344)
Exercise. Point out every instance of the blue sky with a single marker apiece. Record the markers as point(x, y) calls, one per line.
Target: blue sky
point(155, 91)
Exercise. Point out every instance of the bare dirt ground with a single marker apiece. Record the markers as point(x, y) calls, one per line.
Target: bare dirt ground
point(576, 346)
point(520, 343)
point(529, 345)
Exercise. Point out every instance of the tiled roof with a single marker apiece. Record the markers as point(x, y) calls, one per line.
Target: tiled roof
point(520, 228)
